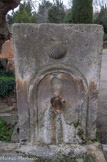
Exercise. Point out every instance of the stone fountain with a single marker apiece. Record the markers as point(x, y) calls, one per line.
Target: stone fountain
point(57, 74)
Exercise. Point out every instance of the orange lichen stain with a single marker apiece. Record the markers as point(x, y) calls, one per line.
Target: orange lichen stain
point(22, 85)
point(93, 91)
point(48, 77)
point(64, 76)
point(57, 93)
point(22, 94)
point(53, 125)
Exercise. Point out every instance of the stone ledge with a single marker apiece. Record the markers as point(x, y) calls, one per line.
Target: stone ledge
point(64, 152)
point(9, 117)
point(54, 153)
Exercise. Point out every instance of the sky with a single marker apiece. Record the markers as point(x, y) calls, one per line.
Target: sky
point(67, 4)
point(98, 2)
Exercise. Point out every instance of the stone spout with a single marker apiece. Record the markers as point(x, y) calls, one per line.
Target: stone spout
point(57, 104)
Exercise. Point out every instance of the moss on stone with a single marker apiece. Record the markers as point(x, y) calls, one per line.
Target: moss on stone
point(97, 137)
point(76, 124)
point(59, 157)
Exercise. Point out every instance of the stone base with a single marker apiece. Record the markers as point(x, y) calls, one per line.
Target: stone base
point(104, 146)
point(63, 152)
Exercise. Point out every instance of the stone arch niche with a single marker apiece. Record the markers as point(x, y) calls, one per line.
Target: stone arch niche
point(47, 126)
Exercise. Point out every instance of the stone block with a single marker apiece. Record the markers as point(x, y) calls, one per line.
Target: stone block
point(57, 74)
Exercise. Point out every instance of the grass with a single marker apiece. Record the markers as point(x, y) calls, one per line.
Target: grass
point(6, 131)
point(97, 137)
point(6, 78)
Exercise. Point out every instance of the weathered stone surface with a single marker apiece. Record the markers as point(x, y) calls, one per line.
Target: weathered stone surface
point(6, 109)
point(68, 153)
point(15, 135)
point(105, 151)
point(102, 107)
point(9, 117)
point(74, 77)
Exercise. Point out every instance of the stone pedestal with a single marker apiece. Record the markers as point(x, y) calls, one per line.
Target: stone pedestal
point(63, 152)
point(57, 75)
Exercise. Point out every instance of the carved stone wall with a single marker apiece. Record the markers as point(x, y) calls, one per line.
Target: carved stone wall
point(57, 75)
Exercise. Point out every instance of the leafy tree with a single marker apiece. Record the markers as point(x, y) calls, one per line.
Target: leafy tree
point(10, 18)
point(102, 18)
point(42, 15)
point(68, 17)
point(56, 14)
point(23, 15)
point(82, 11)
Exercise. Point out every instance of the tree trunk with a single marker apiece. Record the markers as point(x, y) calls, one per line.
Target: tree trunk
point(5, 6)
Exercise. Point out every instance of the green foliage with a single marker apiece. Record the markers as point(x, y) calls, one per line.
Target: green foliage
point(3, 63)
point(23, 15)
point(6, 73)
point(105, 37)
point(56, 14)
point(42, 15)
point(6, 78)
point(68, 17)
point(97, 137)
point(45, 4)
point(7, 82)
point(76, 124)
point(81, 133)
point(82, 11)
point(102, 18)
point(6, 131)
point(6, 87)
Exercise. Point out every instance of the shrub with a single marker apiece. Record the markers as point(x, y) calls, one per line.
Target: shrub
point(82, 11)
point(3, 63)
point(6, 73)
point(6, 87)
point(105, 37)
point(68, 17)
point(56, 14)
point(6, 131)
point(7, 82)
